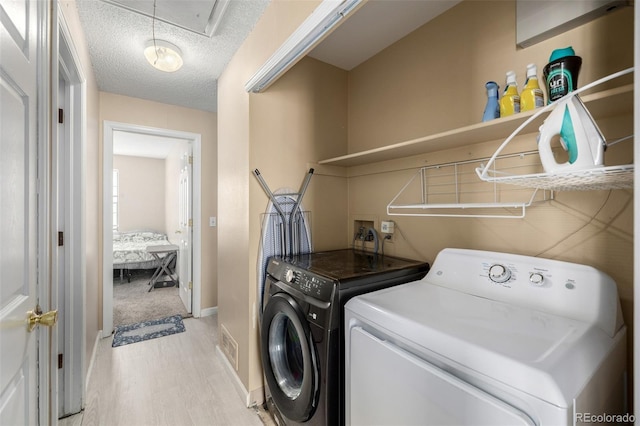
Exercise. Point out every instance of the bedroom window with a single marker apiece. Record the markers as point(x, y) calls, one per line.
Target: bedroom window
point(115, 199)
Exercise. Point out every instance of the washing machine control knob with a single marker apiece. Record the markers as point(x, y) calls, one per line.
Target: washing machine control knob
point(536, 278)
point(499, 273)
point(289, 276)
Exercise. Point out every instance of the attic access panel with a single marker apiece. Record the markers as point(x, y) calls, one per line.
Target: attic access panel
point(198, 16)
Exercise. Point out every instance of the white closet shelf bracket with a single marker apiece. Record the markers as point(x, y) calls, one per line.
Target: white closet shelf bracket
point(453, 190)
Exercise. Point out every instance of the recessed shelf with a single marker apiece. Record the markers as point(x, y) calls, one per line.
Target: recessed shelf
point(601, 104)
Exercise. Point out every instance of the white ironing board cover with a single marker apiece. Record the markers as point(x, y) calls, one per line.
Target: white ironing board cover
point(268, 240)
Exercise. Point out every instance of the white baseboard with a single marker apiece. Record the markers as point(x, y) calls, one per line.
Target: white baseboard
point(256, 397)
point(94, 352)
point(206, 312)
point(251, 399)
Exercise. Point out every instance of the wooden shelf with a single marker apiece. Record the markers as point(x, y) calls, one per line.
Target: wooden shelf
point(602, 104)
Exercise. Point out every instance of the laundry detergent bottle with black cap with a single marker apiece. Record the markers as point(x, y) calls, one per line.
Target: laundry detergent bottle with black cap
point(561, 73)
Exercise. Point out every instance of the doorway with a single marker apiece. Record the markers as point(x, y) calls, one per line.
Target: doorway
point(154, 137)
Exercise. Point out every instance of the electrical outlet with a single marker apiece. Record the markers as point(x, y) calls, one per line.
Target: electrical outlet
point(387, 227)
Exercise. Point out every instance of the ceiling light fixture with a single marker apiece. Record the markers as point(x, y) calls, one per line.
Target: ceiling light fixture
point(163, 55)
point(305, 38)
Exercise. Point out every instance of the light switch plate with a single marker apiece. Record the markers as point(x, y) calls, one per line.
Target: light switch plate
point(212, 221)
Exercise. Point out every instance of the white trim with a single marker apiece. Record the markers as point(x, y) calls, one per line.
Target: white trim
point(107, 230)
point(107, 234)
point(311, 32)
point(249, 399)
point(207, 312)
point(196, 238)
point(46, 291)
point(75, 219)
point(94, 354)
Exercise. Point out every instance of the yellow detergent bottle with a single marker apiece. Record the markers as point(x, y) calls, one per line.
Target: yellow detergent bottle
point(510, 102)
point(531, 96)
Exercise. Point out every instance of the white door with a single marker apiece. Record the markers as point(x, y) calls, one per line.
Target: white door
point(186, 221)
point(20, 24)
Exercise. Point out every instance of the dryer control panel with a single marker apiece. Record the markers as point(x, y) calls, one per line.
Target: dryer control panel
point(309, 284)
point(566, 289)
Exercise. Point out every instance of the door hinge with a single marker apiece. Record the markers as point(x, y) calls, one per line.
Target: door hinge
point(190, 285)
point(60, 115)
point(191, 159)
point(191, 223)
point(60, 361)
point(60, 238)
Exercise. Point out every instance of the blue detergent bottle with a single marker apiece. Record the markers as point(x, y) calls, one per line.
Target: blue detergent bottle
point(492, 109)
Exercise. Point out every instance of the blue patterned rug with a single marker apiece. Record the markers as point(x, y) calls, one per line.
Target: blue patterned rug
point(134, 333)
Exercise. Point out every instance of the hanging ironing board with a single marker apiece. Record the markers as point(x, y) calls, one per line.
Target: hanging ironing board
point(285, 228)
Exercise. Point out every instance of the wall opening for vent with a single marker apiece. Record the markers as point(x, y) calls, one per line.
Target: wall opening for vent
point(229, 347)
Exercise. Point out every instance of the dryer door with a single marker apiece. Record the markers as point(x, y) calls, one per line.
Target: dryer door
point(289, 358)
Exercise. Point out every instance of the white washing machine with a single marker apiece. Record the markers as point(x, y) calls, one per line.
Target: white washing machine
point(487, 338)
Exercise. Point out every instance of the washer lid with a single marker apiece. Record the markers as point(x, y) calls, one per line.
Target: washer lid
point(539, 353)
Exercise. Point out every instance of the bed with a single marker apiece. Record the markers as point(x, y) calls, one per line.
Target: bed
point(130, 250)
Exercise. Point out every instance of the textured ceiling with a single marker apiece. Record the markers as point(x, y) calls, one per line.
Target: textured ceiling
point(116, 37)
point(117, 31)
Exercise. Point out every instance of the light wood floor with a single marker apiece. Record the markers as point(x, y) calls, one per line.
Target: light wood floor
point(173, 380)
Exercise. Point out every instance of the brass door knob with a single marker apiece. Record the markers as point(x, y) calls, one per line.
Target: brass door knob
point(37, 317)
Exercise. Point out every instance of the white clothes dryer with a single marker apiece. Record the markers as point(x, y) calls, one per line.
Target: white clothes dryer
point(487, 338)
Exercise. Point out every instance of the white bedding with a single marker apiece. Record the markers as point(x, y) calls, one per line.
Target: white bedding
point(130, 249)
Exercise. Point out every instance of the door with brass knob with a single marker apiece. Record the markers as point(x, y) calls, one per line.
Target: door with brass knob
point(24, 87)
point(37, 317)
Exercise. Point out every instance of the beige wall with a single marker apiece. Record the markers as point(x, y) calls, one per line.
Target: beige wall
point(419, 87)
point(141, 198)
point(281, 132)
point(92, 207)
point(141, 112)
point(431, 81)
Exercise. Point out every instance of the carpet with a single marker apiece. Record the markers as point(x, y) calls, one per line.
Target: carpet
point(133, 302)
point(147, 330)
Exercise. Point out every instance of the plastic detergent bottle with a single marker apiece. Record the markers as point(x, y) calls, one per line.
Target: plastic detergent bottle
point(531, 96)
point(510, 102)
point(492, 110)
point(561, 73)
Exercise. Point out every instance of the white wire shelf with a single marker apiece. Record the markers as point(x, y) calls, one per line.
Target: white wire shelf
point(599, 178)
point(507, 184)
point(612, 177)
point(453, 190)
